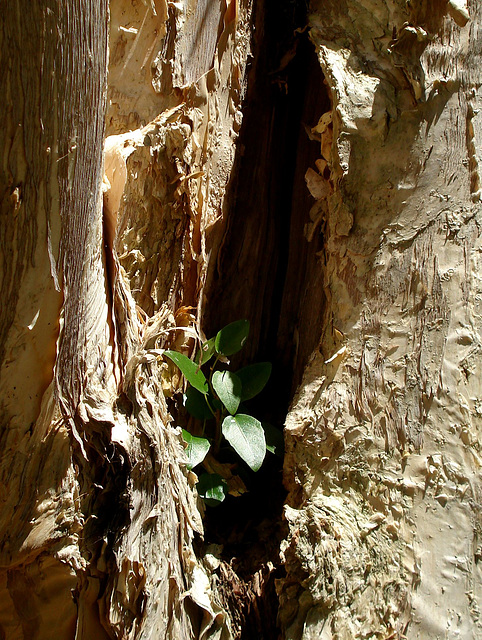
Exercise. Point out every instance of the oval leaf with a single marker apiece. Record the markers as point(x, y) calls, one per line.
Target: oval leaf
point(254, 378)
point(196, 449)
point(228, 387)
point(207, 351)
point(212, 489)
point(232, 338)
point(195, 404)
point(189, 369)
point(245, 434)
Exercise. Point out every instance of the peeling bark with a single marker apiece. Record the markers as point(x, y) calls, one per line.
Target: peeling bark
point(383, 438)
point(99, 511)
point(54, 55)
point(344, 224)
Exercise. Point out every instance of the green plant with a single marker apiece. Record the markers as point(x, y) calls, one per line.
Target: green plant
point(215, 397)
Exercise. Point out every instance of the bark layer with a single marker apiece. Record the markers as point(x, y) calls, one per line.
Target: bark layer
point(54, 78)
point(99, 512)
point(383, 438)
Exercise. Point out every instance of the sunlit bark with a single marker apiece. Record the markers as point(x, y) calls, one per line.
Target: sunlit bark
point(384, 436)
point(132, 219)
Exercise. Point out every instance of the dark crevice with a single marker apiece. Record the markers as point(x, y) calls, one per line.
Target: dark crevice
point(103, 477)
point(267, 271)
point(270, 274)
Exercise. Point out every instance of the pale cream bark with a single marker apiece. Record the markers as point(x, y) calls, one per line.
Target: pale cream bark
point(104, 254)
point(383, 460)
point(98, 510)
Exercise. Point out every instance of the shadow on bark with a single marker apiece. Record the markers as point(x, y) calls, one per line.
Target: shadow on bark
point(270, 274)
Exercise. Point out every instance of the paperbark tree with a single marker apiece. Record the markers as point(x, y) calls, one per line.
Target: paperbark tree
point(329, 192)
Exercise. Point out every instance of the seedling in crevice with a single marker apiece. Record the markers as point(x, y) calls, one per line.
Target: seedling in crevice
point(215, 398)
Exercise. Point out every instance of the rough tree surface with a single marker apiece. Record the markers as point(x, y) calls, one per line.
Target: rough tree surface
point(121, 235)
point(98, 510)
point(383, 461)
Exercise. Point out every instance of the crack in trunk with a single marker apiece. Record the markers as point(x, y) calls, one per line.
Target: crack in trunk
point(269, 273)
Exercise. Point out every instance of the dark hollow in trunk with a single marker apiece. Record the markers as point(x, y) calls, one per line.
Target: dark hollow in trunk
point(269, 273)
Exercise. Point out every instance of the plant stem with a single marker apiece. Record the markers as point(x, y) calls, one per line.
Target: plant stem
point(209, 406)
point(212, 369)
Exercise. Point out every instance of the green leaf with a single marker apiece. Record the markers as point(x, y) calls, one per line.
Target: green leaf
point(232, 338)
point(207, 351)
point(254, 378)
point(246, 435)
point(228, 387)
point(190, 370)
point(195, 403)
point(274, 439)
point(196, 449)
point(212, 489)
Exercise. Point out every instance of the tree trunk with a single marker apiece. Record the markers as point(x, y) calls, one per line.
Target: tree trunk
point(382, 465)
point(322, 183)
